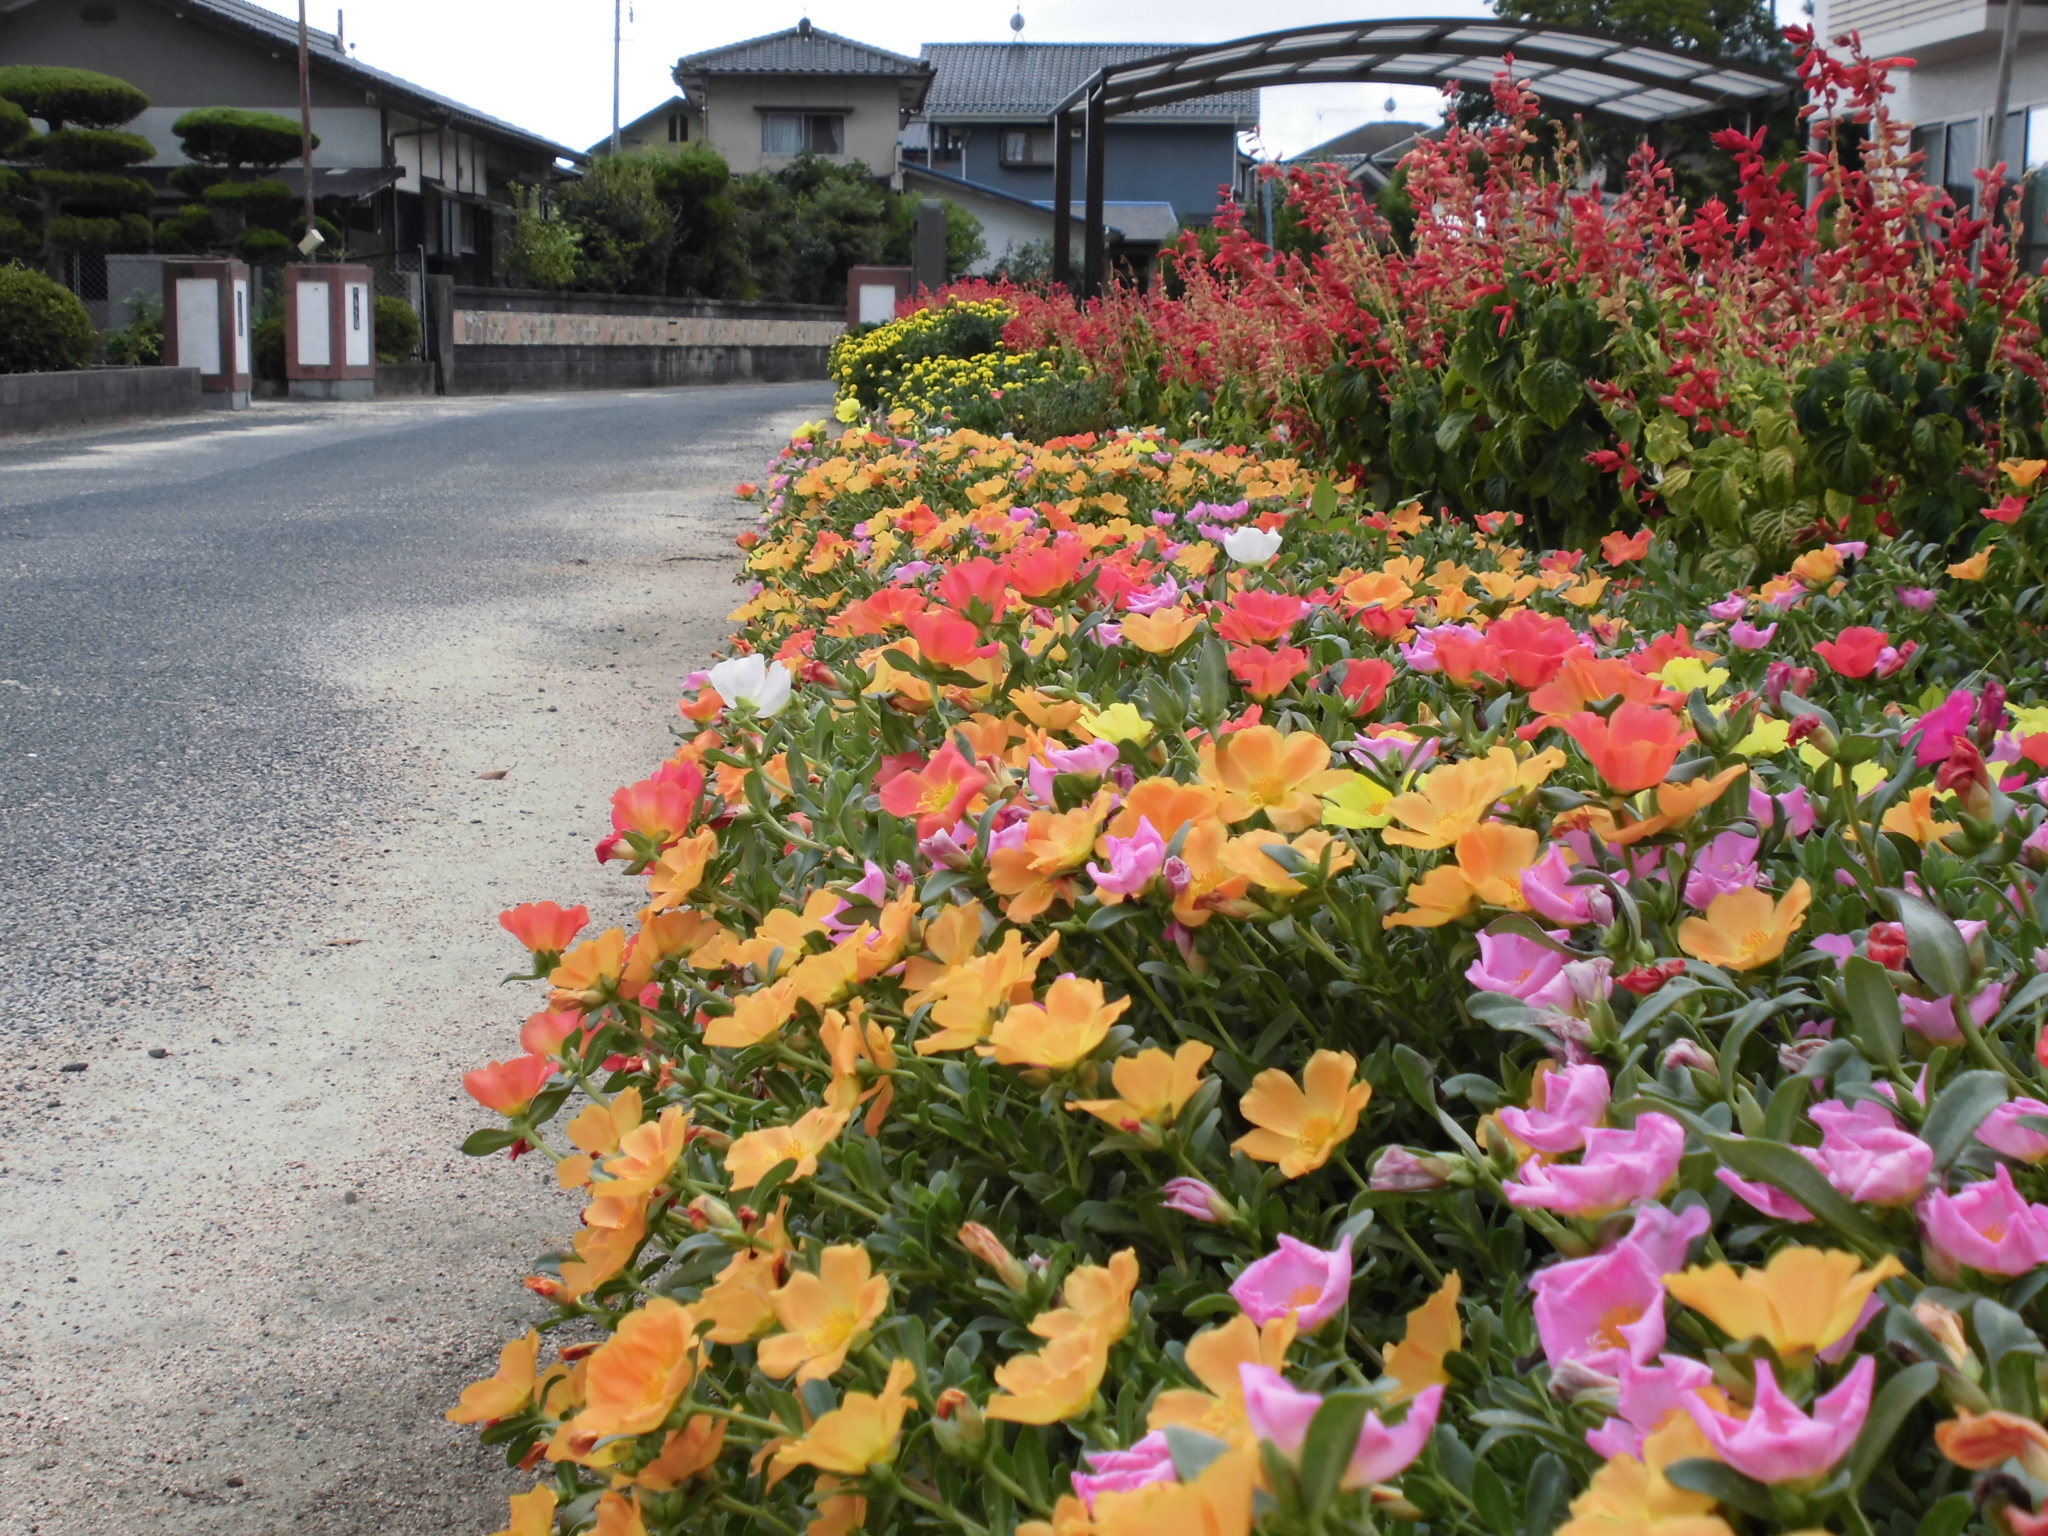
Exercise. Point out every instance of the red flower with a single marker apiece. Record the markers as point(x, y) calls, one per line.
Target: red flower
point(509, 1086)
point(1631, 749)
point(1645, 979)
point(2008, 510)
point(1364, 684)
point(544, 928)
point(947, 640)
point(1266, 672)
point(1260, 617)
point(1618, 548)
point(937, 794)
point(977, 580)
point(1855, 651)
point(1533, 647)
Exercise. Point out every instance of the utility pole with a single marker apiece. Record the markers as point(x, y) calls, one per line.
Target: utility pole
point(306, 114)
point(618, 7)
point(1995, 142)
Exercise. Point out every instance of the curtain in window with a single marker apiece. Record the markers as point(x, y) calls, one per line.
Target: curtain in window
point(782, 133)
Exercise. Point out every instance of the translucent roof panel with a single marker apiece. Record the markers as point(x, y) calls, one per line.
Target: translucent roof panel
point(1602, 73)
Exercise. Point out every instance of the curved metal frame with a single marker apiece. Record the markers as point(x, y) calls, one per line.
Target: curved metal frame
point(1599, 73)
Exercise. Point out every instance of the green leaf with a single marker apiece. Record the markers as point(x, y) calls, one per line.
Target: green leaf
point(1785, 1170)
point(483, 1143)
point(1935, 945)
point(1552, 388)
point(1415, 1073)
point(1888, 1411)
point(1958, 1110)
point(1326, 1451)
point(1718, 1480)
point(1873, 1009)
point(1212, 680)
point(1192, 1451)
point(1948, 1518)
point(1490, 1502)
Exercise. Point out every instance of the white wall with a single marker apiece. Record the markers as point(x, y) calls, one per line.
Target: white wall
point(349, 136)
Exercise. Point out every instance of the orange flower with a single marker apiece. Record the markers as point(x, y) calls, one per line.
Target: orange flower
point(588, 976)
point(756, 1016)
point(824, 1315)
point(1061, 1032)
point(750, 1157)
point(860, 1433)
point(645, 1157)
point(1259, 769)
point(506, 1393)
point(2023, 472)
point(738, 1302)
point(544, 928)
point(596, 1132)
point(1618, 548)
point(967, 996)
point(1212, 885)
point(1978, 1442)
point(509, 1086)
point(601, 1253)
point(1491, 859)
point(634, 1378)
point(1050, 1384)
point(1451, 800)
point(1161, 633)
point(1973, 569)
point(1039, 871)
point(685, 1452)
point(618, 1515)
point(1915, 817)
point(1433, 1331)
point(1095, 1299)
point(1168, 804)
point(1152, 1086)
point(1585, 679)
point(938, 794)
point(1631, 749)
point(1266, 673)
point(1745, 929)
point(1212, 1358)
point(674, 877)
point(533, 1514)
point(1300, 1125)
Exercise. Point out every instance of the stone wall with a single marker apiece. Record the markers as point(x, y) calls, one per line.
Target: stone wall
point(497, 341)
point(32, 401)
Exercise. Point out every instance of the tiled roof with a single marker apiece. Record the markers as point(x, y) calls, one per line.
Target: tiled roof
point(1364, 140)
point(326, 52)
point(1009, 82)
point(801, 50)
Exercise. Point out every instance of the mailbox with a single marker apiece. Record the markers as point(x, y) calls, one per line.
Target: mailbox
point(330, 331)
point(206, 326)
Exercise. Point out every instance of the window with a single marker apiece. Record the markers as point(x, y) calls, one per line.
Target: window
point(1027, 146)
point(679, 127)
point(803, 133)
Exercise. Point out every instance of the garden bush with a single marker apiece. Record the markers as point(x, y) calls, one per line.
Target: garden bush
point(398, 330)
point(139, 343)
point(72, 194)
point(43, 326)
point(1157, 996)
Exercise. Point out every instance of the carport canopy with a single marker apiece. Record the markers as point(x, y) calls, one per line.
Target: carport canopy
point(1599, 74)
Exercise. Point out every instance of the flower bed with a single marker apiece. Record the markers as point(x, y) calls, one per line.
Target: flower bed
point(1165, 1000)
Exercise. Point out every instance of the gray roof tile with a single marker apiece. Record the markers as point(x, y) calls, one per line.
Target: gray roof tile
point(800, 51)
point(1009, 82)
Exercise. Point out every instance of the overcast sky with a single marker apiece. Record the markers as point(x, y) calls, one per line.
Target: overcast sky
point(546, 64)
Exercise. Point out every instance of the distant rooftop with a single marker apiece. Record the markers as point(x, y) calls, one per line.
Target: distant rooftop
point(1017, 82)
point(801, 50)
point(1365, 140)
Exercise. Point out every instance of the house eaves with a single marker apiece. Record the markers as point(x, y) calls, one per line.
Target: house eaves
point(1023, 82)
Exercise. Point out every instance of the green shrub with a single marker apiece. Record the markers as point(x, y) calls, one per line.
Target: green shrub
point(65, 98)
point(398, 330)
point(139, 343)
point(15, 127)
point(260, 247)
point(43, 326)
point(545, 246)
point(233, 136)
point(872, 365)
point(266, 346)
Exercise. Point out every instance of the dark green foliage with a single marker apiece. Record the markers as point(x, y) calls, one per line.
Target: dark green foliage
point(265, 192)
point(266, 346)
point(627, 232)
point(65, 98)
point(259, 246)
point(15, 127)
point(236, 137)
point(139, 343)
point(43, 326)
point(398, 330)
point(92, 149)
point(186, 232)
point(94, 192)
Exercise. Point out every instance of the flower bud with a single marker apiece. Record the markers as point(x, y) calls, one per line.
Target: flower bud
point(957, 1424)
point(1400, 1171)
point(1691, 1055)
point(709, 1213)
point(1193, 1198)
point(988, 1248)
point(1947, 1329)
point(1887, 945)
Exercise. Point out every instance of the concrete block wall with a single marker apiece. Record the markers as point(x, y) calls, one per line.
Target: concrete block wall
point(30, 402)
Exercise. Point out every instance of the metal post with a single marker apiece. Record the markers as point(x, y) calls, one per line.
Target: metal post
point(1062, 199)
point(1093, 269)
point(2001, 96)
point(306, 112)
point(618, 32)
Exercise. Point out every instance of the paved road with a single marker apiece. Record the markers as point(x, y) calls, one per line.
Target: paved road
point(254, 674)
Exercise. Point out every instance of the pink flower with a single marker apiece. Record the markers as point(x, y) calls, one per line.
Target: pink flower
point(1193, 1198)
point(1574, 1101)
point(1779, 1444)
point(1147, 1461)
point(1768, 1198)
point(1547, 887)
point(1726, 865)
point(1988, 1227)
point(1920, 599)
point(2002, 1130)
point(1514, 965)
point(1618, 1169)
point(1310, 1282)
point(1745, 636)
point(1280, 1415)
point(1937, 1019)
point(1867, 1157)
point(1649, 1395)
point(1605, 1312)
point(1729, 607)
point(1089, 761)
point(1133, 860)
point(1951, 718)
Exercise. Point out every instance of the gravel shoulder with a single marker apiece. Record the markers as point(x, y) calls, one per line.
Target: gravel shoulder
point(242, 1267)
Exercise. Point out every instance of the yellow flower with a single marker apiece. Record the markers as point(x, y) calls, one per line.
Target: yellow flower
point(1973, 569)
point(506, 1393)
point(1060, 1033)
point(1914, 816)
point(1152, 1086)
point(1864, 776)
point(824, 1314)
point(2023, 472)
point(1766, 738)
point(1433, 1331)
point(1630, 1497)
point(533, 1514)
point(1358, 800)
point(1683, 674)
point(1301, 1124)
point(1745, 929)
point(1803, 1300)
point(848, 410)
point(860, 1433)
point(1119, 722)
point(750, 1157)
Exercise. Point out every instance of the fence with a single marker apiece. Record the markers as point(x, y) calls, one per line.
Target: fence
point(402, 275)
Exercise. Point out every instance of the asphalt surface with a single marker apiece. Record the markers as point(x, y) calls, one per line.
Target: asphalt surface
point(290, 704)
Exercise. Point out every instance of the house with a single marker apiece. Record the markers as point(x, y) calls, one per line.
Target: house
point(1949, 91)
point(985, 121)
point(1366, 154)
point(803, 91)
point(400, 167)
point(675, 121)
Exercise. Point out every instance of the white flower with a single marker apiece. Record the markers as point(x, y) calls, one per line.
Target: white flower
point(752, 680)
point(1251, 546)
